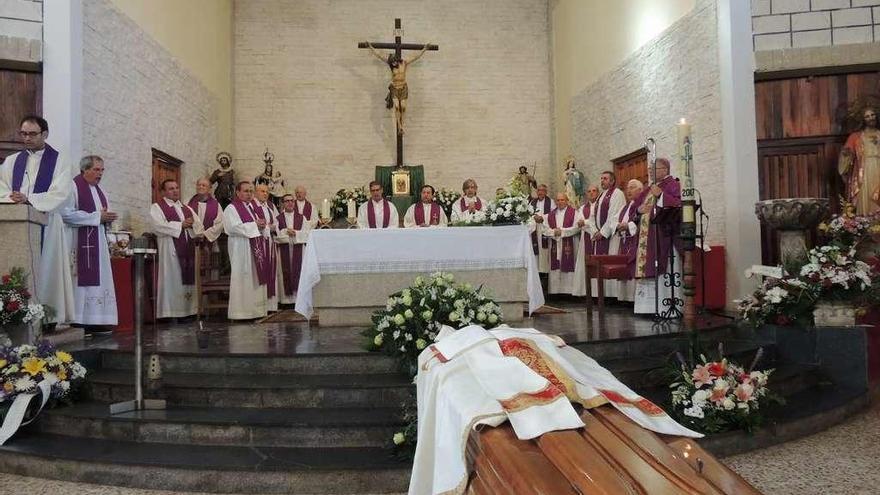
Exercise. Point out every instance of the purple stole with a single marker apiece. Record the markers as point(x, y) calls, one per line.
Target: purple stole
point(212, 209)
point(291, 254)
point(267, 248)
point(44, 174)
point(478, 205)
point(602, 245)
point(646, 251)
point(371, 215)
point(419, 213)
point(587, 241)
point(627, 243)
point(544, 240)
point(567, 264)
point(88, 264)
point(183, 245)
point(258, 250)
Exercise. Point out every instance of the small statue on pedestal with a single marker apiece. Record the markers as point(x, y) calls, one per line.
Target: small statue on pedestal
point(224, 177)
point(574, 182)
point(272, 179)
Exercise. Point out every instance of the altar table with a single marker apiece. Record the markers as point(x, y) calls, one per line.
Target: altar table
point(348, 274)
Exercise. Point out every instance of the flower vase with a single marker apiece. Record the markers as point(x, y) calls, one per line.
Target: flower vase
point(20, 333)
point(834, 314)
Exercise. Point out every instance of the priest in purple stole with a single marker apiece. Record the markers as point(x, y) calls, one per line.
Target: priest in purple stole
point(40, 176)
point(175, 225)
point(294, 224)
point(562, 231)
point(208, 209)
point(425, 213)
point(86, 219)
point(468, 204)
point(247, 256)
point(543, 205)
point(626, 230)
point(664, 193)
point(265, 209)
point(586, 222)
point(377, 212)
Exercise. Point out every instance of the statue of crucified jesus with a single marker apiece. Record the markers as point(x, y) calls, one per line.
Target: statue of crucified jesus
point(397, 90)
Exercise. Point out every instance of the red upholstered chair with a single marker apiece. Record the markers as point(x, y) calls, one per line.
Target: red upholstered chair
point(602, 268)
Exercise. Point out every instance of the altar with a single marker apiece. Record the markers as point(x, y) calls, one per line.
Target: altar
point(348, 274)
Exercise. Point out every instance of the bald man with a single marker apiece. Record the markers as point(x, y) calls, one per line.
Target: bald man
point(562, 231)
point(208, 209)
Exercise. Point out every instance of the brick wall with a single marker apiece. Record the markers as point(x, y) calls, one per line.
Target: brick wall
point(675, 75)
point(21, 30)
point(478, 108)
point(778, 24)
point(137, 97)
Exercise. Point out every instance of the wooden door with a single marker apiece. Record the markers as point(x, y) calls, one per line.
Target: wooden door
point(631, 166)
point(165, 167)
point(797, 168)
point(21, 93)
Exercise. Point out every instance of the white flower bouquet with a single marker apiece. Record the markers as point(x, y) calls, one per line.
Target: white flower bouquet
point(715, 396)
point(446, 198)
point(339, 204)
point(413, 317)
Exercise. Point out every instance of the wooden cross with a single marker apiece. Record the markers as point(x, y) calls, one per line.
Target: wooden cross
point(398, 46)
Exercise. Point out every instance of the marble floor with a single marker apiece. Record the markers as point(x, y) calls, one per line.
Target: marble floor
point(840, 461)
point(217, 336)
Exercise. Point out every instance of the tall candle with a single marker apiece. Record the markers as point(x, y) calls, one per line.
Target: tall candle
point(325, 209)
point(685, 170)
point(352, 209)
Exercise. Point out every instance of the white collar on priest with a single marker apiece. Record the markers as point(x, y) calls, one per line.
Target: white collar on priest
point(39, 152)
point(172, 203)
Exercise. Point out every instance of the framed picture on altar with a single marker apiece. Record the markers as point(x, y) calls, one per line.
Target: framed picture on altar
point(400, 182)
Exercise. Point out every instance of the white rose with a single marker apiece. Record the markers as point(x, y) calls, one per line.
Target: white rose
point(420, 344)
point(399, 438)
point(481, 316)
point(728, 404)
point(377, 340)
point(694, 412)
point(408, 314)
point(493, 318)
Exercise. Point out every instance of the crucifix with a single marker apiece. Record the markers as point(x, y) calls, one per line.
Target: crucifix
point(397, 90)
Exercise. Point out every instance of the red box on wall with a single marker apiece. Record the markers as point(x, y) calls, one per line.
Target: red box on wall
point(712, 262)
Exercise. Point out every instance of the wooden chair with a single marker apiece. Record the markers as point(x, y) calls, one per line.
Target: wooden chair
point(212, 279)
point(602, 268)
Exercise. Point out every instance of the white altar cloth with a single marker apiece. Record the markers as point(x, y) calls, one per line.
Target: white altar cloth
point(332, 251)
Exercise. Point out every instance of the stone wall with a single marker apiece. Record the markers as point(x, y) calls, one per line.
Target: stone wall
point(779, 24)
point(676, 75)
point(21, 30)
point(478, 107)
point(137, 97)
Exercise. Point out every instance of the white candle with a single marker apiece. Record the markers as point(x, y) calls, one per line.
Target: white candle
point(685, 168)
point(352, 209)
point(325, 209)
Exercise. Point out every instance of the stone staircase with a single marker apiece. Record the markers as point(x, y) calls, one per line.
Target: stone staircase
point(321, 423)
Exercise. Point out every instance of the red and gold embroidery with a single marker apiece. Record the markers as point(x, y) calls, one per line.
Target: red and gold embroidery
point(525, 400)
point(641, 403)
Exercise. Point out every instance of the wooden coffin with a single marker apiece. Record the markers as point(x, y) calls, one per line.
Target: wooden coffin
point(611, 455)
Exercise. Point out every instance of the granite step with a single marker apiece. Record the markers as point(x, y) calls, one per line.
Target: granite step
point(277, 427)
point(259, 391)
point(660, 344)
point(215, 469)
point(259, 364)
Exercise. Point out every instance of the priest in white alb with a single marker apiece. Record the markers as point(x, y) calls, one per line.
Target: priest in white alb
point(264, 209)
point(543, 205)
point(40, 176)
point(586, 221)
point(86, 217)
point(425, 213)
point(294, 224)
point(175, 225)
point(469, 203)
point(626, 231)
point(248, 257)
point(208, 209)
point(378, 212)
point(562, 231)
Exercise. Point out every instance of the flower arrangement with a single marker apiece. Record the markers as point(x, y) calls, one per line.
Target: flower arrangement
point(837, 274)
point(339, 204)
point(23, 367)
point(15, 307)
point(413, 316)
point(446, 198)
point(506, 209)
point(714, 396)
point(783, 301)
point(848, 229)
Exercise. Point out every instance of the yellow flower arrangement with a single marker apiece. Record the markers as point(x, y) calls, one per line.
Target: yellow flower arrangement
point(63, 356)
point(34, 366)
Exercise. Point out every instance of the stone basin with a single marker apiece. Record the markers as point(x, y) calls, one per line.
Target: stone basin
point(792, 213)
